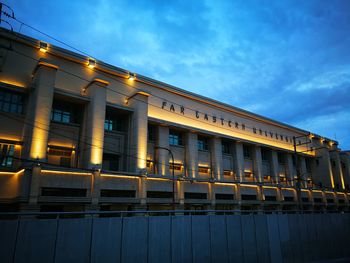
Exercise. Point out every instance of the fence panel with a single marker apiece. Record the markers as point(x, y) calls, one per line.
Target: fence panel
point(159, 239)
point(106, 240)
point(218, 239)
point(36, 241)
point(8, 230)
point(262, 238)
point(248, 238)
point(274, 239)
point(135, 239)
point(234, 238)
point(181, 239)
point(201, 239)
point(73, 240)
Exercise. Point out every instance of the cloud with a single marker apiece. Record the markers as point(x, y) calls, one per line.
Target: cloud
point(285, 60)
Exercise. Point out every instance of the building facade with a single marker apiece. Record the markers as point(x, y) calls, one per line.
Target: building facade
point(78, 134)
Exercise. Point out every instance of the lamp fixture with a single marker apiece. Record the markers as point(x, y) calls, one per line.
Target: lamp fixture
point(132, 76)
point(91, 63)
point(43, 46)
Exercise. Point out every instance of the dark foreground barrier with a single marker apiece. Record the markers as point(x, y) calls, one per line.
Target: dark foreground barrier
point(199, 238)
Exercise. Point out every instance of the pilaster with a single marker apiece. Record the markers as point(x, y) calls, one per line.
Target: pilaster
point(216, 157)
point(239, 161)
point(163, 155)
point(191, 154)
point(94, 124)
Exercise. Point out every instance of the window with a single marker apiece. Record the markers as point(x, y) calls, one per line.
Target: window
point(265, 155)
point(191, 195)
point(203, 169)
point(246, 152)
point(224, 196)
point(6, 155)
point(151, 133)
point(176, 166)
point(280, 157)
point(117, 193)
point(114, 123)
point(175, 138)
point(11, 102)
point(73, 192)
point(202, 143)
point(64, 112)
point(226, 147)
point(159, 194)
point(228, 173)
point(110, 162)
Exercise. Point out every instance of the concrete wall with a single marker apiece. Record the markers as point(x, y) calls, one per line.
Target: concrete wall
point(230, 238)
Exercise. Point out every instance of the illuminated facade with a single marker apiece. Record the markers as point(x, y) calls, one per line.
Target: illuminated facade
point(79, 134)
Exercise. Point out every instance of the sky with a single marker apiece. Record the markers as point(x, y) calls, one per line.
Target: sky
point(285, 60)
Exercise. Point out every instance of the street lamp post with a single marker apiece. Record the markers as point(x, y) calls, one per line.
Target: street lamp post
point(173, 172)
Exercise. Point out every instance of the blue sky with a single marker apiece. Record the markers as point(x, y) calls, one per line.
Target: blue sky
point(286, 60)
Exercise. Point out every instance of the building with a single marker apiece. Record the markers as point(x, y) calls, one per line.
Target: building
point(78, 134)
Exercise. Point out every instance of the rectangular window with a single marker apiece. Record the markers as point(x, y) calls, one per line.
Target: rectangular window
point(110, 162)
point(6, 155)
point(114, 123)
point(246, 152)
point(248, 197)
point(72, 192)
point(177, 166)
point(224, 196)
point(151, 133)
point(117, 193)
point(175, 138)
point(281, 159)
point(202, 143)
point(203, 169)
point(11, 102)
point(190, 195)
point(264, 154)
point(226, 147)
point(159, 194)
point(228, 173)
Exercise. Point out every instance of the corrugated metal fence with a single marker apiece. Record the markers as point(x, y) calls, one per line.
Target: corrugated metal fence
point(200, 238)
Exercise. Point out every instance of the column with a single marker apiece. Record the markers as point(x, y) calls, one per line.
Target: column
point(324, 172)
point(303, 171)
point(95, 190)
point(290, 169)
point(37, 125)
point(94, 124)
point(239, 161)
point(34, 190)
point(163, 155)
point(274, 166)
point(338, 173)
point(257, 163)
point(345, 158)
point(216, 157)
point(191, 154)
point(139, 102)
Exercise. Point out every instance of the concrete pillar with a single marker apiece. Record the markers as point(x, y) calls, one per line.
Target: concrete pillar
point(191, 155)
point(303, 171)
point(95, 189)
point(345, 158)
point(239, 161)
point(257, 163)
point(94, 124)
point(290, 169)
point(180, 192)
point(142, 190)
point(38, 118)
point(139, 102)
point(338, 173)
point(216, 158)
point(323, 172)
point(163, 155)
point(34, 190)
point(274, 166)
